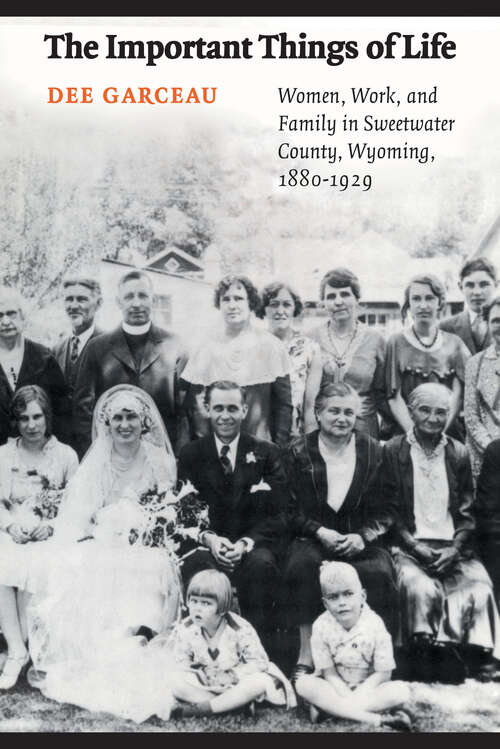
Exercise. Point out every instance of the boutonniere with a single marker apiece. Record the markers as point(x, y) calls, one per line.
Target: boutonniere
point(250, 457)
point(260, 487)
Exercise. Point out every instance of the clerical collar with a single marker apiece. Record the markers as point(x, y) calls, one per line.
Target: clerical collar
point(136, 329)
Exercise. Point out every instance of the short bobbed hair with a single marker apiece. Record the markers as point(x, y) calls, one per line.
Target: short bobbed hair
point(336, 390)
point(339, 278)
point(26, 395)
point(224, 385)
point(272, 290)
point(495, 302)
point(435, 286)
point(90, 283)
point(212, 584)
point(332, 572)
point(478, 263)
point(418, 394)
point(254, 300)
point(136, 275)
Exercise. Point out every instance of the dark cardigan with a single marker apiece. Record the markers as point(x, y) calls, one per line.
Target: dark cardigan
point(362, 511)
point(397, 487)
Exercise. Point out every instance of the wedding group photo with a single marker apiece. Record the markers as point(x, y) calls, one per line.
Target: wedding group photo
point(284, 518)
point(249, 377)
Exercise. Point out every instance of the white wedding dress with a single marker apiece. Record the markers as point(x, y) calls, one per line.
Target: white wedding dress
point(92, 595)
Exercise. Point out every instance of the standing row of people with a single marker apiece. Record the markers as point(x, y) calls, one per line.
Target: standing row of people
point(282, 368)
point(402, 514)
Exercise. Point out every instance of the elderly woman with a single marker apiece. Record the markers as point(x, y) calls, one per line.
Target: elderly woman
point(351, 352)
point(422, 353)
point(249, 356)
point(337, 513)
point(482, 390)
point(34, 467)
point(445, 592)
point(282, 306)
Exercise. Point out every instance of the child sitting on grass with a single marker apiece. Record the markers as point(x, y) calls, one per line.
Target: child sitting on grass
point(353, 657)
point(220, 662)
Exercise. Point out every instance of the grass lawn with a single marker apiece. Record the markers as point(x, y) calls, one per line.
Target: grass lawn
point(472, 706)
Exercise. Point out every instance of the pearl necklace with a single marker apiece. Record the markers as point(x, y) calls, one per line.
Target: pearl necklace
point(122, 465)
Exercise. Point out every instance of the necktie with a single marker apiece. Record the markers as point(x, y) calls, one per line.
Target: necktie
point(75, 342)
point(226, 463)
point(479, 330)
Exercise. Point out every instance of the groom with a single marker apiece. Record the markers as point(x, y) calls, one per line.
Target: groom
point(244, 484)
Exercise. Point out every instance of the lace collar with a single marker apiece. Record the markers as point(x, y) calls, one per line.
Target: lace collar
point(413, 442)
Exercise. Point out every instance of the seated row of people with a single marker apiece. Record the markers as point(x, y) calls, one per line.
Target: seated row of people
point(402, 514)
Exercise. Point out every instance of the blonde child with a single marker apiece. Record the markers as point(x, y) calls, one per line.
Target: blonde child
point(220, 662)
point(353, 657)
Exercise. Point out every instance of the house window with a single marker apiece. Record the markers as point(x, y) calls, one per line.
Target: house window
point(172, 265)
point(382, 319)
point(372, 319)
point(163, 309)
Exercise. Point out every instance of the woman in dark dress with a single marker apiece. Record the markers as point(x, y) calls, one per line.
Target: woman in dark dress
point(336, 513)
point(351, 352)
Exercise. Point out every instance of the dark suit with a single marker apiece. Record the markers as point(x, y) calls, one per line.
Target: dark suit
point(460, 325)
point(39, 367)
point(488, 513)
point(363, 512)
point(108, 361)
point(62, 353)
point(235, 512)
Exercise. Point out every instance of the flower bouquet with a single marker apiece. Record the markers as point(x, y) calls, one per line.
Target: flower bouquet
point(160, 518)
point(43, 506)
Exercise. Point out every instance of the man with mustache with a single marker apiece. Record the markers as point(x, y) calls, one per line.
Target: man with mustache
point(82, 299)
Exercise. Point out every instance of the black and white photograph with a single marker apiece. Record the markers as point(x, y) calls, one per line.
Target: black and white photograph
point(249, 374)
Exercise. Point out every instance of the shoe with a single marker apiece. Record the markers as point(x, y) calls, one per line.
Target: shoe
point(35, 678)
point(12, 670)
point(489, 671)
point(250, 709)
point(300, 669)
point(448, 664)
point(399, 721)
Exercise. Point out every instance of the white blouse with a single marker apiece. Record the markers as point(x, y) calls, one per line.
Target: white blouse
point(339, 471)
point(431, 492)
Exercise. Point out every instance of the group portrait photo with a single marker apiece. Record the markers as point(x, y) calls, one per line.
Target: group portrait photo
point(249, 433)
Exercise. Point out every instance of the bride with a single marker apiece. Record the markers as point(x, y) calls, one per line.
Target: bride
point(98, 589)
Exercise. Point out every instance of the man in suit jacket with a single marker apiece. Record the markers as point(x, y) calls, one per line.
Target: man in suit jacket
point(487, 507)
point(82, 299)
point(137, 353)
point(244, 484)
point(478, 280)
point(24, 362)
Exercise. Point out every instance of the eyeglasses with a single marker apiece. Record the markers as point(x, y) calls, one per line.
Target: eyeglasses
point(10, 313)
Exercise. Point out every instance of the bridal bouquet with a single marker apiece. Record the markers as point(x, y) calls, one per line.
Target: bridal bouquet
point(172, 515)
point(158, 517)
